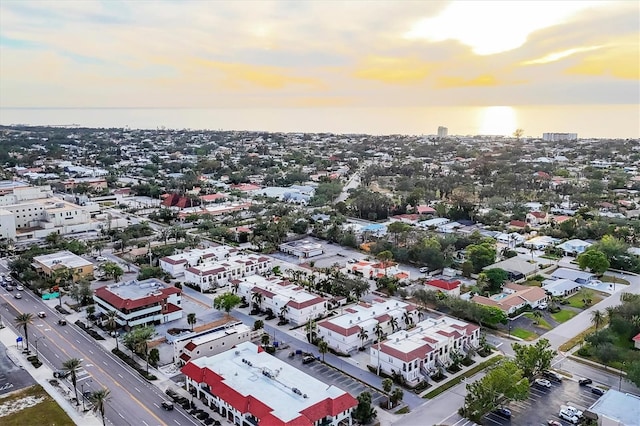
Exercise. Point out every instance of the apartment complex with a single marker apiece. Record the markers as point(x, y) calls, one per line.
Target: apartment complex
point(210, 342)
point(357, 325)
point(139, 303)
point(176, 264)
point(248, 386)
point(49, 264)
point(212, 273)
point(283, 298)
point(418, 352)
point(32, 212)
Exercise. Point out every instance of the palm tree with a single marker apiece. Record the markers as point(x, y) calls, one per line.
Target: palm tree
point(323, 348)
point(257, 298)
point(363, 335)
point(394, 323)
point(536, 316)
point(144, 335)
point(24, 320)
point(406, 316)
point(310, 329)
point(99, 399)
point(164, 235)
point(597, 318)
point(378, 331)
point(284, 310)
point(191, 319)
point(112, 324)
point(72, 365)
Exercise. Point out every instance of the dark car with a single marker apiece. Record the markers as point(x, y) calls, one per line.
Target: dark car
point(503, 412)
point(598, 391)
point(584, 382)
point(166, 405)
point(308, 359)
point(62, 322)
point(61, 374)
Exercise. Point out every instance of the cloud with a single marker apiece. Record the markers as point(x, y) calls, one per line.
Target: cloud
point(620, 61)
point(480, 81)
point(392, 70)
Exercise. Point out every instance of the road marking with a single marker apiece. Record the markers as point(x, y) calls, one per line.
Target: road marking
point(145, 423)
point(120, 375)
point(136, 389)
point(105, 363)
point(91, 352)
point(156, 405)
point(120, 414)
point(174, 421)
point(57, 356)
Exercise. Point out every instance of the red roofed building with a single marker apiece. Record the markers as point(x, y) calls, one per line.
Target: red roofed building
point(418, 352)
point(176, 200)
point(139, 303)
point(636, 341)
point(449, 287)
point(249, 386)
point(425, 210)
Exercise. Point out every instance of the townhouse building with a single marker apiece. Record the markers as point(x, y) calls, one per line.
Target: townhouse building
point(211, 273)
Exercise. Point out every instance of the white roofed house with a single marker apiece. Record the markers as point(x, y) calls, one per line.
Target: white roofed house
point(574, 247)
point(418, 352)
point(212, 274)
point(581, 277)
point(285, 299)
point(344, 333)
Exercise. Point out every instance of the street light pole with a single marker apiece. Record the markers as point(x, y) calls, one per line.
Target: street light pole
point(83, 397)
point(36, 344)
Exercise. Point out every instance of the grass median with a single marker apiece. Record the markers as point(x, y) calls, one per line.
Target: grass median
point(32, 406)
point(451, 383)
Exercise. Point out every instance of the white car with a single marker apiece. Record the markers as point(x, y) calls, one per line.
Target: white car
point(543, 382)
point(543, 305)
point(19, 288)
point(573, 410)
point(101, 259)
point(566, 415)
point(423, 270)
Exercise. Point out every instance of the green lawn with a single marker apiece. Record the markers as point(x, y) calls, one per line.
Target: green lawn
point(47, 412)
point(542, 323)
point(576, 301)
point(524, 334)
point(610, 279)
point(564, 315)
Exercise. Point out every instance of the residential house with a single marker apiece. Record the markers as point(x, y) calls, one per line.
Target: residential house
point(574, 247)
point(561, 287)
point(418, 352)
point(514, 297)
point(518, 266)
point(375, 270)
point(451, 288)
point(357, 324)
point(537, 218)
point(285, 299)
point(581, 277)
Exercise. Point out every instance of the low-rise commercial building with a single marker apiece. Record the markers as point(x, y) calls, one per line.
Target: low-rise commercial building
point(177, 263)
point(615, 408)
point(139, 303)
point(250, 387)
point(420, 351)
point(302, 248)
point(211, 342)
point(51, 264)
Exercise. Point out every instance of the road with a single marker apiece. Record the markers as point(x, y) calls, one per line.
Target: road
point(133, 400)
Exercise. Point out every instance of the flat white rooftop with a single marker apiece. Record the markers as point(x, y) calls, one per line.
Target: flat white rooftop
point(269, 380)
point(135, 289)
point(65, 258)
point(288, 292)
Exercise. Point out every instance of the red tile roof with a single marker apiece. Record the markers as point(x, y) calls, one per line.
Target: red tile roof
point(340, 330)
point(172, 261)
point(444, 285)
point(185, 357)
point(307, 303)
point(190, 346)
point(636, 338)
point(170, 308)
point(419, 352)
point(119, 303)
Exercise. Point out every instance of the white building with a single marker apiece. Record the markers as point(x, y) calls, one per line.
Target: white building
point(211, 342)
point(139, 303)
point(375, 270)
point(249, 387)
point(574, 247)
point(442, 132)
point(302, 248)
point(557, 137)
point(28, 213)
point(177, 263)
point(418, 352)
point(211, 274)
point(283, 298)
point(344, 333)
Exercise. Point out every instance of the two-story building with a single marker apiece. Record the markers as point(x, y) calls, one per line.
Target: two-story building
point(210, 342)
point(139, 303)
point(177, 263)
point(211, 274)
point(285, 299)
point(375, 270)
point(250, 387)
point(418, 352)
point(357, 324)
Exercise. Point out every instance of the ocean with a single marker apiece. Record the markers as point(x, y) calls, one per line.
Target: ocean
point(588, 121)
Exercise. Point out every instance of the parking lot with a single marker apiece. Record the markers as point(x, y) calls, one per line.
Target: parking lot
point(544, 404)
point(332, 376)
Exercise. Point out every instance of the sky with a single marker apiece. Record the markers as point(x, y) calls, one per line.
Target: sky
point(290, 54)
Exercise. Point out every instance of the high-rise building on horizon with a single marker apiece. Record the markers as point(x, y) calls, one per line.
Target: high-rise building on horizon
point(443, 132)
point(556, 137)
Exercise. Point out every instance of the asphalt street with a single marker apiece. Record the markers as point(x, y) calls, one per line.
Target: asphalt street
point(12, 376)
point(133, 401)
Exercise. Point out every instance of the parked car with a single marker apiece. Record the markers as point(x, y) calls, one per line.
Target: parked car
point(61, 374)
point(424, 269)
point(568, 416)
point(552, 375)
point(19, 288)
point(42, 314)
point(554, 423)
point(542, 382)
point(598, 391)
point(585, 381)
point(573, 410)
point(166, 405)
point(9, 287)
point(17, 296)
point(351, 261)
point(308, 359)
point(503, 412)
point(543, 306)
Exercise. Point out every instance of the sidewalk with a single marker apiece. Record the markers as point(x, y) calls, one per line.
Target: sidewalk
point(42, 375)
